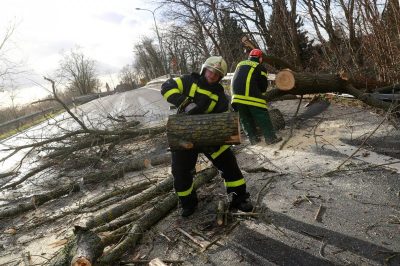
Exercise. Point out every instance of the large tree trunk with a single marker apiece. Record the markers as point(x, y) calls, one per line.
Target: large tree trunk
point(307, 83)
point(289, 82)
point(190, 131)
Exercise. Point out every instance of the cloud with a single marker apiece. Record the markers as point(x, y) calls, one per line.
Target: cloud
point(105, 30)
point(111, 17)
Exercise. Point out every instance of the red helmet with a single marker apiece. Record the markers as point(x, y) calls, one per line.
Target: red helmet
point(256, 53)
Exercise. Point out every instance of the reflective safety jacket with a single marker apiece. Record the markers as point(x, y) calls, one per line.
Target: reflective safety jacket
point(208, 98)
point(248, 84)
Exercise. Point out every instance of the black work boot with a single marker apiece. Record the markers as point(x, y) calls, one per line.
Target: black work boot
point(241, 202)
point(189, 204)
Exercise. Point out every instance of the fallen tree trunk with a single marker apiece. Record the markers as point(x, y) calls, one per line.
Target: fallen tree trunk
point(153, 216)
point(190, 131)
point(308, 83)
point(37, 200)
point(82, 250)
point(289, 82)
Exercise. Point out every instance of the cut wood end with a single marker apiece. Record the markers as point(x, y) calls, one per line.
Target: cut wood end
point(285, 80)
point(343, 75)
point(80, 261)
point(147, 163)
point(233, 140)
point(186, 144)
point(157, 262)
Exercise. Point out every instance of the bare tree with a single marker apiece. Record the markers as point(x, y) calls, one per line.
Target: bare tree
point(128, 76)
point(80, 72)
point(148, 60)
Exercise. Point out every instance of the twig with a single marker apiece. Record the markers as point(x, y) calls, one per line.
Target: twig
point(135, 262)
point(319, 213)
point(210, 244)
point(245, 214)
point(269, 181)
point(65, 106)
point(321, 249)
point(196, 241)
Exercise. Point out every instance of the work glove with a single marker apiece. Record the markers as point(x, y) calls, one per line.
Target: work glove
point(190, 108)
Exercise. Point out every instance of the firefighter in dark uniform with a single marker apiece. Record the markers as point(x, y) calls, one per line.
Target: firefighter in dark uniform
point(249, 81)
point(203, 94)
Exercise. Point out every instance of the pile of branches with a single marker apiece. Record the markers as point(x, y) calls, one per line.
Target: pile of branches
point(118, 216)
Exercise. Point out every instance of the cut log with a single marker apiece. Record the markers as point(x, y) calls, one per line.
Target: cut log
point(82, 250)
point(153, 216)
point(308, 83)
point(289, 82)
point(188, 131)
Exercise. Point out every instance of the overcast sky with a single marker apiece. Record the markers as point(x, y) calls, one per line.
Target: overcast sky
point(105, 30)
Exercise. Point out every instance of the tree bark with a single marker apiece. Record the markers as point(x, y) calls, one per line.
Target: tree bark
point(289, 82)
point(37, 200)
point(307, 83)
point(188, 131)
point(82, 250)
point(120, 169)
point(130, 203)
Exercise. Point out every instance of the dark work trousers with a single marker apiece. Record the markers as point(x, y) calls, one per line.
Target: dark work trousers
point(250, 116)
point(183, 169)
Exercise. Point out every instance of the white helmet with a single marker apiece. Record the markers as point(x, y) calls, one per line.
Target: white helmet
point(215, 64)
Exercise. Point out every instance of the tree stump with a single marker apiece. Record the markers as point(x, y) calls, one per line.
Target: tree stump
point(190, 131)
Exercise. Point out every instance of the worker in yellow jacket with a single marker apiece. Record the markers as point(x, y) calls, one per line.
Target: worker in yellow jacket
point(201, 94)
point(249, 81)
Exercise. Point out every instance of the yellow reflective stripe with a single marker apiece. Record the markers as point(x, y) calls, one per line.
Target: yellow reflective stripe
point(264, 74)
point(170, 92)
point(235, 183)
point(221, 150)
point(179, 83)
point(249, 98)
point(211, 107)
point(193, 89)
point(248, 81)
point(186, 192)
point(208, 93)
point(248, 63)
point(261, 105)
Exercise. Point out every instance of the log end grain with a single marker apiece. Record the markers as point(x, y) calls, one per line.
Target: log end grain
point(285, 80)
point(80, 261)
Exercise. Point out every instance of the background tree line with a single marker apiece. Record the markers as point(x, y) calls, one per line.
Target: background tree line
point(361, 37)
